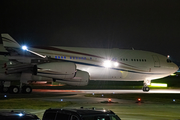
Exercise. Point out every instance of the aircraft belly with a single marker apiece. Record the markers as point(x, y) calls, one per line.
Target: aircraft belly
point(101, 73)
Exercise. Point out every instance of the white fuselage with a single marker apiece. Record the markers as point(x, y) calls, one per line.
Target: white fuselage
point(123, 65)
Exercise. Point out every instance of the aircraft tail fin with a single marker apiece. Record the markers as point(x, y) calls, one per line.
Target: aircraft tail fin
point(8, 41)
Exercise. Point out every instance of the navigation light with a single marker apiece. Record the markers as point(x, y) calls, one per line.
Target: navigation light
point(24, 47)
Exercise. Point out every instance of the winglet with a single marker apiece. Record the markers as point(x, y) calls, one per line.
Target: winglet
point(8, 41)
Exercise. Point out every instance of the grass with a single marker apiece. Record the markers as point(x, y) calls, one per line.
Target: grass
point(30, 103)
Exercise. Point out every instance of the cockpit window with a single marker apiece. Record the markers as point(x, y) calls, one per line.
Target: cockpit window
point(169, 61)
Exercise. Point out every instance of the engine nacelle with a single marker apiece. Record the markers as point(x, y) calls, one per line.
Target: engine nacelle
point(81, 79)
point(56, 70)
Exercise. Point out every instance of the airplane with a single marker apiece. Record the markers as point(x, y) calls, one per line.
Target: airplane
point(77, 65)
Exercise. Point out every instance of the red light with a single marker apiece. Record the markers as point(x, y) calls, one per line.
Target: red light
point(109, 100)
point(139, 99)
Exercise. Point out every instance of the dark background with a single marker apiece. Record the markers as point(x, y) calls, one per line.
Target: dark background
point(152, 25)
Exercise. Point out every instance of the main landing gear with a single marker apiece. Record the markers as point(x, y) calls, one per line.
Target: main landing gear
point(13, 89)
point(145, 87)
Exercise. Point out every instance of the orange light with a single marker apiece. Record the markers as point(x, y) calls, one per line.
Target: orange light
point(139, 99)
point(109, 100)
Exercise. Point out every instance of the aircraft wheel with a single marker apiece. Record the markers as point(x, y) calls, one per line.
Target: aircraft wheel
point(146, 89)
point(14, 89)
point(26, 89)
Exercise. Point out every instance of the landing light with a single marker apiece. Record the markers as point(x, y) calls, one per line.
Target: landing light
point(116, 64)
point(109, 63)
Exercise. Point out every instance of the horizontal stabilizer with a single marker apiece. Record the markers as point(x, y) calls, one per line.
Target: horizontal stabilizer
point(8, 41)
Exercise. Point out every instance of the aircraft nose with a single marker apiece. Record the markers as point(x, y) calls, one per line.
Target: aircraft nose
point(176, 67)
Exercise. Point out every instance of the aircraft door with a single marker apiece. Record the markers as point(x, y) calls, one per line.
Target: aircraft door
point(156, 61)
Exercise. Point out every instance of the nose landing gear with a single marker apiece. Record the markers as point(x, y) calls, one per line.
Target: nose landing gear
point(145, 87)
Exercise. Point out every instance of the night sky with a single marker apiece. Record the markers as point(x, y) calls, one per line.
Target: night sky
point(152, 25)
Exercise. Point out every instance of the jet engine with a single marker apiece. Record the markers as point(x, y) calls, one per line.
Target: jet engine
point(55, 70)
point(81, 79)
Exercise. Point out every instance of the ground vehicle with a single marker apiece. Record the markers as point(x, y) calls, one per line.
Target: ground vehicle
point(14, 115)
point(79, 114)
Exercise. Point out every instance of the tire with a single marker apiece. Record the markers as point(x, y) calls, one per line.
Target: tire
point(14, 89)
point(26, 89)
point(146, 89)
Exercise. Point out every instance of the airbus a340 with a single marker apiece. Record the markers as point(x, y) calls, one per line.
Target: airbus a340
point(76, 66)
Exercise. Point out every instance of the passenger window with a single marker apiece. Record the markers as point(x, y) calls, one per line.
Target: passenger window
point(49, 116)
point(62, 116)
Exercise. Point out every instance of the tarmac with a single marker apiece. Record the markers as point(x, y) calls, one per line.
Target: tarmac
point(125, 109)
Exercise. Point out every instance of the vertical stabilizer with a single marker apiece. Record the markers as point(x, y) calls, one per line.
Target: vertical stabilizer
point(8, 41)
